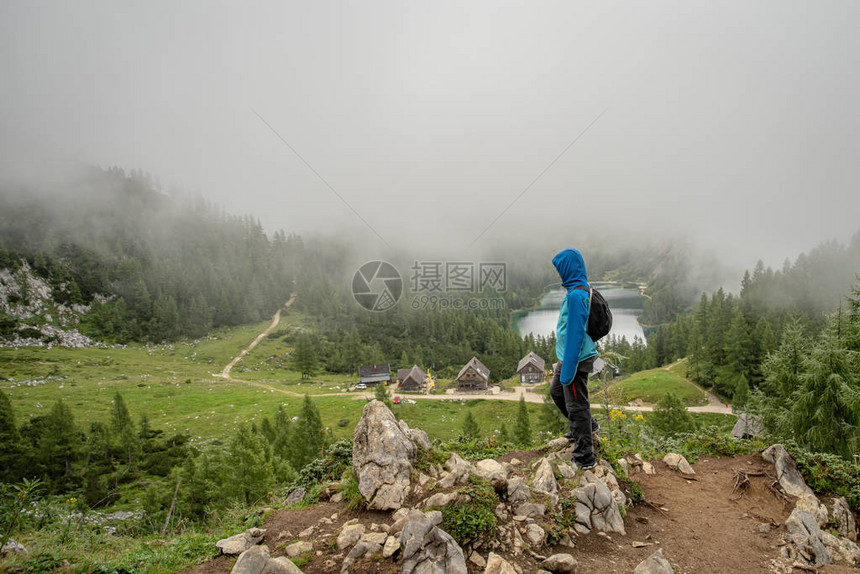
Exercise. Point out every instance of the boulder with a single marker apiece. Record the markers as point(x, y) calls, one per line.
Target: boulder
point(786, 471)
point(560, 442)
point(295, 496)
point(678, 462)
point(566, 470)
point(420, 438)
point(654, 564)
point(256, 560)
point(624, 465)
point(844, 519)
point(441, 499)
point(493, 472)
point(478, 560)
point(560, 564)
point(427, 548)
point(297, 548)
point(498, 565)
point(349, 535)
point(375, 537)
point(381, 458)
point(597, 509)
point(806, 540)
point(241, 542)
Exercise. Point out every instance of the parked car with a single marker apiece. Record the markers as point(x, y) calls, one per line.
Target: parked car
point(396, 400)
point(360, 386)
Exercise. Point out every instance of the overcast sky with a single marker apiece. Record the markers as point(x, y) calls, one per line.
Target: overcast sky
point(734, 123)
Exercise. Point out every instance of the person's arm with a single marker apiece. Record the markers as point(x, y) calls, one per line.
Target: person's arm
point(577, 316)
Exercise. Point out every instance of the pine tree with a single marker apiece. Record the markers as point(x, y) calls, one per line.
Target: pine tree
point(504, 435)
point(826, 407)
point(523, 429)
point(670, 416)
point(742, 392)
point(470, 430)
point(307, 435)
point(251, 472)
point(304, 357)
point(10, 441)
point(60, 445)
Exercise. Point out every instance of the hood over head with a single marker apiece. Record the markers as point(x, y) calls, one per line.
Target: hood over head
point(571, 268)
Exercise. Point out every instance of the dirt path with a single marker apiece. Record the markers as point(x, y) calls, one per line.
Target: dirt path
point(276, 319)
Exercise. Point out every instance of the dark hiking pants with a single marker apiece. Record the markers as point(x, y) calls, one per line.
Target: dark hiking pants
point(572, 401)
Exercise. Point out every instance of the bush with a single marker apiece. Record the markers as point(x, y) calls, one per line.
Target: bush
point(465, 521)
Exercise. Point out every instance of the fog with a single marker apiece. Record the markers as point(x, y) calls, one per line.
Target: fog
point(457, 127)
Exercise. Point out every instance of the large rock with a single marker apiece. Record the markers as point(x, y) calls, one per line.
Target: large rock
point(13, 546)
point(381, 458)
point(786, 471)
point(654, 564)
point(498, 565)
point(241, 542)
point(256, 560)
point(535, 535)
point(493, 472)
point(844, 518)
point(560, 564)
point(807, 544)
point(597, 509)
point(427, 549)
point(678, 462)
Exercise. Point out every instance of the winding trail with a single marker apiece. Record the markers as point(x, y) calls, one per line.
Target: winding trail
point(276, 318)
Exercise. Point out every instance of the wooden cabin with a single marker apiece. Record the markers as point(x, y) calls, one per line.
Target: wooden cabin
point(475, 376)
point(372, 375)
point(531, 369)
point(413, 380)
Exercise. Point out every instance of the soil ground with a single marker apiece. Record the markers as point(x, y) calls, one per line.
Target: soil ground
point(702, 525)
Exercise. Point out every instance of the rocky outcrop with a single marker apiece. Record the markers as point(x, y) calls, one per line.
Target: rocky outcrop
point(544, 481)
point(844, 519)
point(792, 482)
point(806, 540)
point(241, 542)
point(257, 560)
point(381, 458)
point(427, 548)
point(654, 564)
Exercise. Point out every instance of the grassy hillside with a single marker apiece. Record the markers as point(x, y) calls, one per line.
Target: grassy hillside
point(652, 384)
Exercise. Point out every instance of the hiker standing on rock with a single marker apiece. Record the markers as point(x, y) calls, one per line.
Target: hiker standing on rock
point(576, 352)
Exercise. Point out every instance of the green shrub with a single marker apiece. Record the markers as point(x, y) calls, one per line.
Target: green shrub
point(466, 521)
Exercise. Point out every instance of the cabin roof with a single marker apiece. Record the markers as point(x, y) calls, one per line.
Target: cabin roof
point(531, 358)
point(479, 367)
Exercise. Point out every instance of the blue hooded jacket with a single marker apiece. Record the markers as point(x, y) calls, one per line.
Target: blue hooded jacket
point(573, 344)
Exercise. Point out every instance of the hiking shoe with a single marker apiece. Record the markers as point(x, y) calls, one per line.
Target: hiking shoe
point(570, 435)
point(589, 466)
point(595, 426)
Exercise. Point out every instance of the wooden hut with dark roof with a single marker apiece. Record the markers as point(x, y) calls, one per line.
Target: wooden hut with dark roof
point(414, 380)
point(372, 375)
point(474, 376)
point(531, 369)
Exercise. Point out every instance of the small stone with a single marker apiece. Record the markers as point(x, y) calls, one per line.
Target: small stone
point(560, 564)
point(477, 560)
point(638, 544)
point(764, 528)
point(349, 535)
point(307, 532)
point(654, 564)
point(392, 545)
point(375, 537)
point(297, 548)
point(498, 565)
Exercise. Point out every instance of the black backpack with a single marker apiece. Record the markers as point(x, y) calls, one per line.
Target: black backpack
point(599, 315)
